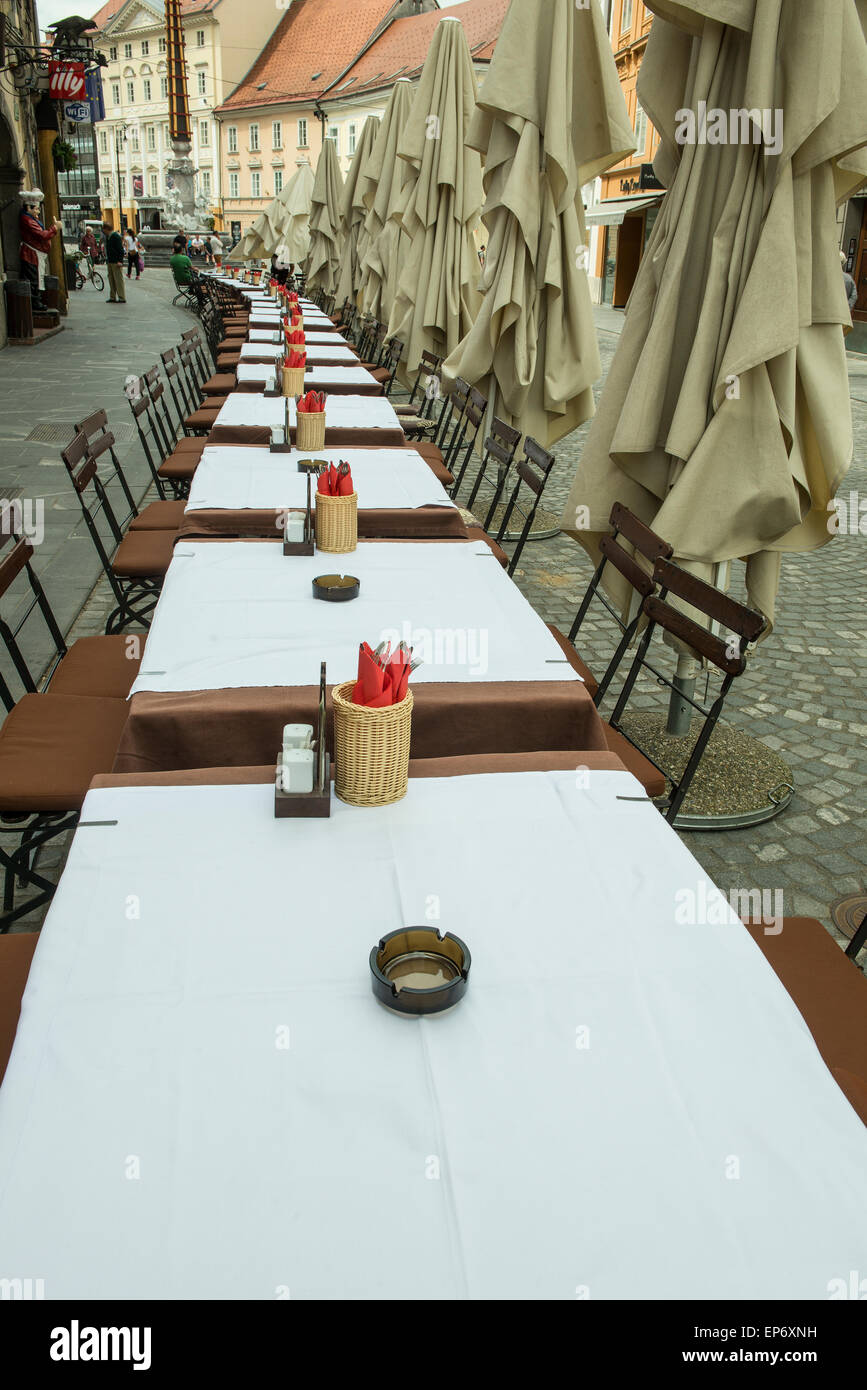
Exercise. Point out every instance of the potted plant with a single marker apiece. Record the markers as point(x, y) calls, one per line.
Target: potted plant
point(64, 155)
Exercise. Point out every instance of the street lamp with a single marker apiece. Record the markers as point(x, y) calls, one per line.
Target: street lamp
point(119, 137)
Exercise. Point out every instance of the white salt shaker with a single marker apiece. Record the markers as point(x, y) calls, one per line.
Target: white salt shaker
point(294, 526)
point(296, 771)
point(297, 736)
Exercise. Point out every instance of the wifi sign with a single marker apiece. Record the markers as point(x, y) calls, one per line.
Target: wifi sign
point(66, 81)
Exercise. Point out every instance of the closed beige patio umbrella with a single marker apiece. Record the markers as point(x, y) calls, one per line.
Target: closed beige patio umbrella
point(293, 231)
point(261, 240)
point(324, 257)
point(381, 182)
point(352, 214)
point(436, 297)
point(551, 117)
point(725, 422)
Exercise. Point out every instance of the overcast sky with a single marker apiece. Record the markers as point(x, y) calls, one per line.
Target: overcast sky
point(50, 11)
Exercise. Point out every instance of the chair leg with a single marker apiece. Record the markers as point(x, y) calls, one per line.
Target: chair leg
point(859, 940)
point(19, 865)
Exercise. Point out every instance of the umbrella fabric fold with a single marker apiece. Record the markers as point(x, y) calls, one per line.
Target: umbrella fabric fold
point(551, 116)
point(381, 183)
point(725, 422)
point(279, 224)
point(293, 232)
point(437, 296)
point(352, 214)
point(324, 257)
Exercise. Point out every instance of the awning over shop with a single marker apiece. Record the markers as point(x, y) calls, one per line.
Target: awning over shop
point(612, 212)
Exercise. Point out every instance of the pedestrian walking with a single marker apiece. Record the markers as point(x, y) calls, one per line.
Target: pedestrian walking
point(114, 253)
point(129, 242)
point(848, 281)
point(216, 249)
point(140, 257)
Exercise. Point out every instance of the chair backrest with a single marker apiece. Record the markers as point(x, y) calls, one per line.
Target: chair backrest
point(391, 360)
point(101, 441)
point(150, 430)
point(429, 372)
point(500, 446)
point(743, 623)
point(15, 562)
point(533, 471)
point(460, 455)
point(178, 387)
point(94, 500)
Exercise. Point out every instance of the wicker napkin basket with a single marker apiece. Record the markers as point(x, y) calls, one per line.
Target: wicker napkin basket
point(310, 430)
point(371, 749)
point(336, 523)
point(293, 381)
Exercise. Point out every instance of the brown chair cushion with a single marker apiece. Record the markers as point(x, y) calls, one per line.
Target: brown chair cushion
point(228, 361)
point(16, 953)
point(220, 384)
point(203, 419)
point(104, 666)
point(650, 778)
point(584, 671)
point(478, 533)
point(50, 748)
point(187, 445)
point(179, 467)
point(159, 516)
point(144, 554)
point(830, 992)
point(429, 452)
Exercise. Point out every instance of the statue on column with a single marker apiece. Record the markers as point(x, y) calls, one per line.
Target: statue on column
point(35, 241)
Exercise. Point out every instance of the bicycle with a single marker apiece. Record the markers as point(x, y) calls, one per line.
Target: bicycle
point(92, 275)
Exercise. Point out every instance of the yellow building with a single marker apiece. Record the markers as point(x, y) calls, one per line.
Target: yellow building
point(627, 197)
point(133, 146)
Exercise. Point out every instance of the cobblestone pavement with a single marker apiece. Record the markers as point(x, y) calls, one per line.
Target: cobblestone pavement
point(803, 693)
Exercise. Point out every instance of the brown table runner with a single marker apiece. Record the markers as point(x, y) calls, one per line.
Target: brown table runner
point(243, 727)
point(397, 523)
point(340, 438)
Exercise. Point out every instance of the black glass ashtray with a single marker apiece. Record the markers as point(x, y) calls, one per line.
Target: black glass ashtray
point(336, 588)
point(417, 971)
point(311, 465)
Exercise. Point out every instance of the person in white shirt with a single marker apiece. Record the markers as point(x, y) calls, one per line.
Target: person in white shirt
point(129, 243)
point(216, 248)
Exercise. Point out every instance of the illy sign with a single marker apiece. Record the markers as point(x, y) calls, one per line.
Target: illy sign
point(66, 81)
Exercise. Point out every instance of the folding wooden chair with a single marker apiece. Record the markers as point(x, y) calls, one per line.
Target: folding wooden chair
point(172, 462)
point(728, 655)
point(638, 540)
point(156, 516)
point(533, 470)
point(51, 746)
point(500, 447)
point(134, 565)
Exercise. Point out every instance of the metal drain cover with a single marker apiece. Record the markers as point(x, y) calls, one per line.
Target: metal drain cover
point(847, 914)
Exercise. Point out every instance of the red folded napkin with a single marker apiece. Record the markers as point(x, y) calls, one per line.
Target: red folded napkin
point(383, 677)
point(295, 359)
point(311, 404)
point(295, 335)
point(335, 481)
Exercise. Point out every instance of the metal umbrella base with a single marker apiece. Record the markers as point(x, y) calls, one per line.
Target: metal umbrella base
point(739, 782)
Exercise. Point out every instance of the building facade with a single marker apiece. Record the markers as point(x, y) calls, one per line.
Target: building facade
point(624, 202)
point(298, 94)
point(133, 144)
point(19, 153)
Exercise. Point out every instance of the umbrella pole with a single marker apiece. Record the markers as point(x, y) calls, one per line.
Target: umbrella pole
point(679, 711)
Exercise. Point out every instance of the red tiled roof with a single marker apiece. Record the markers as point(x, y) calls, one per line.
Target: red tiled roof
point(402, 50)
point(109, 10)
point(308, 50)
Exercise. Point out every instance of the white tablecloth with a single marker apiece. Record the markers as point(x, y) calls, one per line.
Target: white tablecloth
point(240, 614)
point(235, 478)
point(315, 378)
point(349, 412)
point(205, 1101)
point(332, 351)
